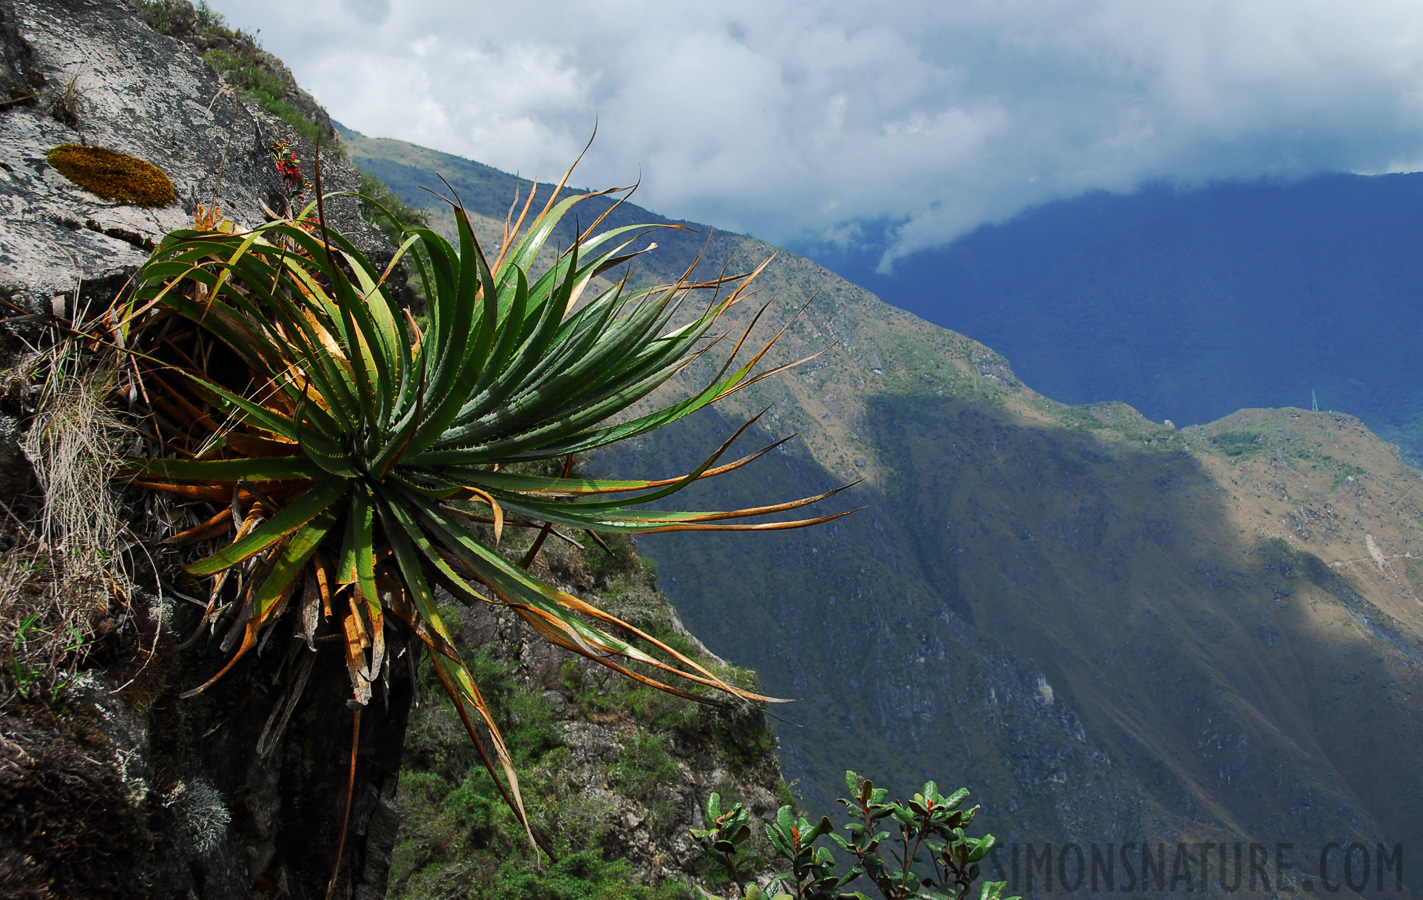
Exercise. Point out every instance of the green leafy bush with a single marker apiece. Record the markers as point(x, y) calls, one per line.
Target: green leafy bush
point(933, 859)
point(384, 209)
point(582, 876)
point(642, 766)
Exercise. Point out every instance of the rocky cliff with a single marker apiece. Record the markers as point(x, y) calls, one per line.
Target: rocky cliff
point(110, 784)
point(92, 73)
point(201, 810)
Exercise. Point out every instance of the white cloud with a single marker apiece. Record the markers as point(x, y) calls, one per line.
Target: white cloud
point(794, 121)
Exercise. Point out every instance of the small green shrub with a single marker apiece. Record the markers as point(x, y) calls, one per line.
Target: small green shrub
point(175, 17)
point(1241, 444)
point(931, 858)
point(740, 732)
point(168, 16)
point(661, 711)
point(582, 876)
point(534, 730)
point(475, 802)
point(112, 175)
point(384, 209)
point(614, 555)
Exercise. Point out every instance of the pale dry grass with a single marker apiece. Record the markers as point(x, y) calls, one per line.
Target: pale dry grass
point(73, 444)
point(61, 570)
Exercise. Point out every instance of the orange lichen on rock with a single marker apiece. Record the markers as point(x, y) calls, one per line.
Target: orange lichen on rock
point(112, 175)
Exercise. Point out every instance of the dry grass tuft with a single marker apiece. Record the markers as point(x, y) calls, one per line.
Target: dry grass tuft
point(67, 107)
point(73, 444)
point(61, 570)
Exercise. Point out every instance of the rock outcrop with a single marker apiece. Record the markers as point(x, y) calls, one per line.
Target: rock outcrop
point(208, 814)
point(101, 77)
point(112, 784)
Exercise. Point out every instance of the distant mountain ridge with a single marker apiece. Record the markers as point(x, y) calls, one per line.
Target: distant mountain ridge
point(1190, 304)
point(1111, 630)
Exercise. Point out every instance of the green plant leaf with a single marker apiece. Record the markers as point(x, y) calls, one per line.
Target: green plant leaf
point(310, 505)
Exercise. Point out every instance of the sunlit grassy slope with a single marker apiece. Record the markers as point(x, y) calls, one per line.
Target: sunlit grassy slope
point(1111, 630)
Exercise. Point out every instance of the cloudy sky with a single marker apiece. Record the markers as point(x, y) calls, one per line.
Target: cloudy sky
point(798, 121)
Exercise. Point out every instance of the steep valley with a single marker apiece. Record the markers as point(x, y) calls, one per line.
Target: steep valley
point(1116, 633)
point(1111, 630)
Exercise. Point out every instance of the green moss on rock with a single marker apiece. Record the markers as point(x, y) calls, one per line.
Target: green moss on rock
point(112, 175)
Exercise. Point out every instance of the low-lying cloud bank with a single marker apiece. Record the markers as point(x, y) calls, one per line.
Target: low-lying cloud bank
point(796, 121)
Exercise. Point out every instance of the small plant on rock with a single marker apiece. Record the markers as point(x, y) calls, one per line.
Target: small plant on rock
point(726, 831)
point(112, 175)
point(67, 106)
point(289, 167)
point(932, 857)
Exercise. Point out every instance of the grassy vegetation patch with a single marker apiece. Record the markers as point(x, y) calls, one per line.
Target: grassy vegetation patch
point(644, 764)
point(459, 839)
point(1077, 418)
point(1241, 444)
point(248, 69)
point(614, 554)
point(261, 86)
point(582, 876)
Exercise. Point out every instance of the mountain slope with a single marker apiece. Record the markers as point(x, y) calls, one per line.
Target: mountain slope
point(1192, 304)
point(1111, 630)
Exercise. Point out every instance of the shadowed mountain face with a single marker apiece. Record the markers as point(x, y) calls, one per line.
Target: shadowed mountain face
point(1166, 668)
point(1112, 631)
point(1192, 304)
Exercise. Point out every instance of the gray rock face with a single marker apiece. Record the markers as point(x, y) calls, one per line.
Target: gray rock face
point(229, 823)
point(15, 64)
point(106, 79)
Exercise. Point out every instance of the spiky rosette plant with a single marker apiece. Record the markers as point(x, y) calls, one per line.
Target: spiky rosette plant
point(360, 460)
